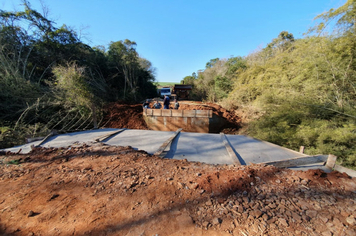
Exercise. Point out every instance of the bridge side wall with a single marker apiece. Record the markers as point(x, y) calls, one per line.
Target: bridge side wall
point(171, 120)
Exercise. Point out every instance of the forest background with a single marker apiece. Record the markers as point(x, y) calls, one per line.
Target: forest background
point(295, 92)
point(51, 80)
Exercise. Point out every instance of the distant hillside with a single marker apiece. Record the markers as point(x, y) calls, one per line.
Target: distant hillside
point(165, 84)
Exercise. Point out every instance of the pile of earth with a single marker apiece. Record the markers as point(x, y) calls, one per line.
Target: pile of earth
point(232, 121)
point(121, 115)
point(107, 190)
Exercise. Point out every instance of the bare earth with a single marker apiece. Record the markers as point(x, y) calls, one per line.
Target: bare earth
point(103, 190)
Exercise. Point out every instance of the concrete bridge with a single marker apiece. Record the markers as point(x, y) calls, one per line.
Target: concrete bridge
point(199, 147)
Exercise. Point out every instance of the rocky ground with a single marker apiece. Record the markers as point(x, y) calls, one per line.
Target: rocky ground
point(103, 190)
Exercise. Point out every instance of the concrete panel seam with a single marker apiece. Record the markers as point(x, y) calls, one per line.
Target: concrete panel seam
point(106, 136)
point(229, 149)
point(166, 143)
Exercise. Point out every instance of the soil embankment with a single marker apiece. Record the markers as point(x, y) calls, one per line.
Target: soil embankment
point(121, 115)
point(103, 190)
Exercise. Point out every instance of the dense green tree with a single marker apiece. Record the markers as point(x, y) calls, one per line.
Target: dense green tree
point(212, 62)
point(132, 75)
point(49, 79)
point(190, 79)
point(216, 81)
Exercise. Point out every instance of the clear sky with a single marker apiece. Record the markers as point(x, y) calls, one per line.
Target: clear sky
point(180, 36)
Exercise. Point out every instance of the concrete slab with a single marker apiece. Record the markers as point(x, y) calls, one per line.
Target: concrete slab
point(200, 147)
point(23, 149)
point(147, 140)
point(207, 148)
point(65, 140)
point(252, 150)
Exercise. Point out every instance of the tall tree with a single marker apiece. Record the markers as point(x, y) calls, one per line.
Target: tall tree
point(124, 58)
point(132, 75)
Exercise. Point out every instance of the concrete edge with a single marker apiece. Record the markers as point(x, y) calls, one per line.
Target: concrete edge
point(275, 145)
point(297, 161)
point(342, 169)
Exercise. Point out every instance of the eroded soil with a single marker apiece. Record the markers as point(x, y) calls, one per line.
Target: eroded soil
point(103, 190)
point(121, 115)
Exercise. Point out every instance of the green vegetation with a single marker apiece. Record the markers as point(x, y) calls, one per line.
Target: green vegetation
point(13, 162)
point(165, 84)
point(49, 79)
point(302, 91)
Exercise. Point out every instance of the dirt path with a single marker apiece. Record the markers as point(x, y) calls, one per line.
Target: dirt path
point(102, 190)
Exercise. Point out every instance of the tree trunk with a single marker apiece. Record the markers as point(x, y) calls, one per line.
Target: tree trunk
point(95, 119)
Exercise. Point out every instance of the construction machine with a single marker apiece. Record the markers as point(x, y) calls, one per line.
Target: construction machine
point(181, 91)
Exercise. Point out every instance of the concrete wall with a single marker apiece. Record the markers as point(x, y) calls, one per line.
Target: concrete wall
point(200, 121)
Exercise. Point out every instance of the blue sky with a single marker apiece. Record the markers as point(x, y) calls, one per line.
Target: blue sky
point(180, 36)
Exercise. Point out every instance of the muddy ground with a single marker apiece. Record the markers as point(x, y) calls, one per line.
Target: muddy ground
point(103, 190)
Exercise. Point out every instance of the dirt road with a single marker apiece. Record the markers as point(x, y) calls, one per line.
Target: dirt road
point(102, 190)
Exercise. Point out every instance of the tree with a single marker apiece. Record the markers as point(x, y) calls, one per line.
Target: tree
point(283, 42)
point(345, 17)
point(341, 52)
point(211, 63)
point(75, 89)
point(223, 86)
point(50, 79)
point(124, 58)
point(190, 79)
point(132, 74)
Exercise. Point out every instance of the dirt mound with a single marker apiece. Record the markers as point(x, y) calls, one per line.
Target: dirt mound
point(120, 115)
point(232, 122)
point(217, 110)
point(103, 190)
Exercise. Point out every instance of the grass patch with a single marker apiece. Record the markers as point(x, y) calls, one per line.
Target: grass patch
point(165, 84)
point(13, 162)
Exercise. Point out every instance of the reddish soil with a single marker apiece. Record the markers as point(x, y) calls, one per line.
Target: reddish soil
point(103, 190)
point(232, 121)
point(121, 115)
point(217, 110)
